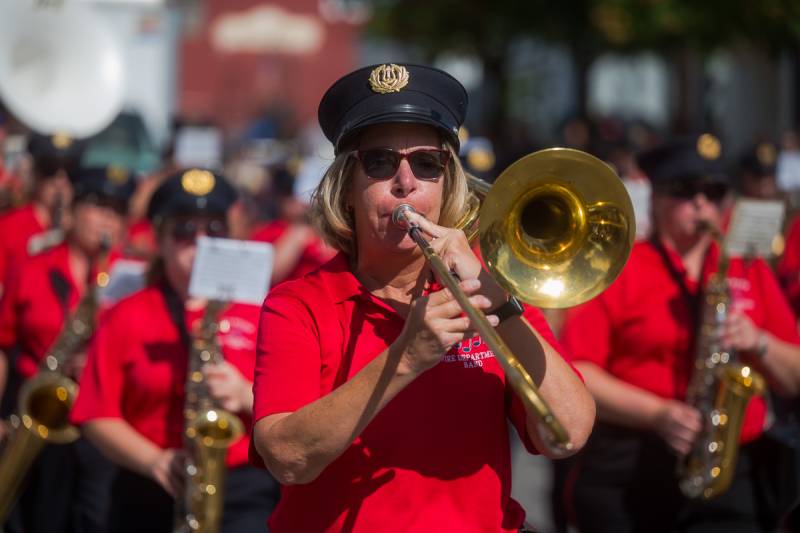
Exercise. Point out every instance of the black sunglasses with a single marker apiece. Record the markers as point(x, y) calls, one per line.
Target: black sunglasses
point(185, 231)
point(686, 190)
point(382, 163)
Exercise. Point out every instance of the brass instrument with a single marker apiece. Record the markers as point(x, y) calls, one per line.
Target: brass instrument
point(61, 67)
point(720, 388)
point(555, 230)
point(44, 401)
point(209, 431)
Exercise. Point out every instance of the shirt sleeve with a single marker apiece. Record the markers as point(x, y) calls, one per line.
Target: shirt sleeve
point(103, 378)
point(9, 311)
point(587, 332)
point(288, 357)
point(779, 319)
point(514, 406)
point(789, 266)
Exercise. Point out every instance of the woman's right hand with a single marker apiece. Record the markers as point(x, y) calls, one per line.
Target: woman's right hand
point(168, 470)
point(678, 424)
point(435, 323)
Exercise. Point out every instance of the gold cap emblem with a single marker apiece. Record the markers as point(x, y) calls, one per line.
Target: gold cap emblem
point(388, 78)
point(198, 182)
point(708, 146)
point(116, 175)
point(766, 154)
point(61, 140)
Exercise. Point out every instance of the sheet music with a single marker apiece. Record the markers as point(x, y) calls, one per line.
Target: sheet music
point(125, 278)
point(231, 270)
point(754, 227)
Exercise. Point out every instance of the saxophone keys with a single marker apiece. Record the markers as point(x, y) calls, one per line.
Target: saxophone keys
point(718, 418)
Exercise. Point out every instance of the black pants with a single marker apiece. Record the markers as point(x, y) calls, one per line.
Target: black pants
point(625, 481)
point(66, 491)
point(140, 504)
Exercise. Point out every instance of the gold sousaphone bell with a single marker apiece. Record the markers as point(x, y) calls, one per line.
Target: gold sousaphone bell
point(555, 229)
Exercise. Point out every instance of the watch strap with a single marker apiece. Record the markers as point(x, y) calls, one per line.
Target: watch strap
point(512, 307)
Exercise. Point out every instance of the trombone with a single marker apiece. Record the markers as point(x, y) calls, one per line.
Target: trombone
point(555, 230)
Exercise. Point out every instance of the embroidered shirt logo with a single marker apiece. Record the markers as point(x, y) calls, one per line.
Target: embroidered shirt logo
point(471, 353)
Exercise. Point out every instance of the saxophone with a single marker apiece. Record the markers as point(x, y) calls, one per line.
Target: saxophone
point(720, 388)
point(208, 432)
point(44, 401)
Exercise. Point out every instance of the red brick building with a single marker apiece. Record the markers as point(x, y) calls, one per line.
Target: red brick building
point(241, 57)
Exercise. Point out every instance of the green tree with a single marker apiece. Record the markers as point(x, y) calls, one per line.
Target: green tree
point(488, 29)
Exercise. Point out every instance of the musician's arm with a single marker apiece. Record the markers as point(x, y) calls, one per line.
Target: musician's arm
point(125, 446)
point(297, 447)
point(627, 405)
point(122, 444)
point(780, 360)
point(289, 249)
point(558, 384)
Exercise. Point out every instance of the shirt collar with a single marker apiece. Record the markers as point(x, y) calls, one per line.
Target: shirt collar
point(710, 262)
point(344, 285)
point(339, 279)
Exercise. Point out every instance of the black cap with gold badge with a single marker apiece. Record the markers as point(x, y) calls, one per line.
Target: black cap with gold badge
point(693, 158)
point(53, 152)
point(193, 191)
point(111, 185)
point(387, 93)
point(760, 160)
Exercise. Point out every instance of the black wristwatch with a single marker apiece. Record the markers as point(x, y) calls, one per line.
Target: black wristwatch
point(512, 307)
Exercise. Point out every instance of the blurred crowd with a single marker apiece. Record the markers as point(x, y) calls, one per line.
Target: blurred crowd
point(274, 170)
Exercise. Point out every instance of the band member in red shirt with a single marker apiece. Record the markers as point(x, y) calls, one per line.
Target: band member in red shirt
point(376, 406)
point(298, 248)
point(131, 402)
point(68, 485)
point(789, 265)
point(54, 157)
point(637, 346)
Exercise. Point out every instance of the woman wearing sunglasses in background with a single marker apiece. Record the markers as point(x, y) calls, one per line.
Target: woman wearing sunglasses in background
point(131, 401)
point(635, 345)
point(376, 405)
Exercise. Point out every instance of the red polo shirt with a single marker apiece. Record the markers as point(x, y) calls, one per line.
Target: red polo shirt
point(640, 329)
point(136, 367)
point(16, 228)
point(436, 458)
point(789, 265)
point(31, 311)
point(314, 255)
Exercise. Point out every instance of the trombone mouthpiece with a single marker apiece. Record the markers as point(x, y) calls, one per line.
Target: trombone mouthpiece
point(399, 215)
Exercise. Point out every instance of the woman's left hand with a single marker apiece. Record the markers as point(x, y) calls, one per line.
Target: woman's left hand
point(740, 333)
point(229, 387)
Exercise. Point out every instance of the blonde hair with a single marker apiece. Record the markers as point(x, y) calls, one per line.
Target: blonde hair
point(334, 220)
